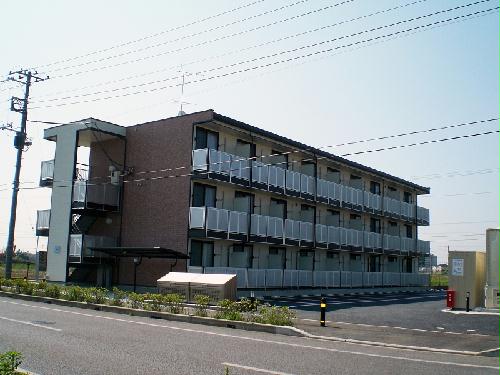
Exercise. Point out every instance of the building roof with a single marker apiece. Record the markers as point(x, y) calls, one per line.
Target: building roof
point(227, 120)
point(138, 252)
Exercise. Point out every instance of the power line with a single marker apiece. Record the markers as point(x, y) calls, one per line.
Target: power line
point(207, 172)
point(236, 51)
point(268, 64)
point(457, 174)
point(206, 42)
point(276, 54)
point(189, 35)
point(301, 151)
point(152, 35)
point(421, 143)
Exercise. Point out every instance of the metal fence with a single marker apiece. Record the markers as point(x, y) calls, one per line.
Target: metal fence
point(250, 278)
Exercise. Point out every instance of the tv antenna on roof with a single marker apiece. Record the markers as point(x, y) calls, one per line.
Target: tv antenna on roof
point(181, 100)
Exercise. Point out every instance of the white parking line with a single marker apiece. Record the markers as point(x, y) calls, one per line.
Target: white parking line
point(255, 369)
point(254, 339)
point(30, 324)
point(401, 328)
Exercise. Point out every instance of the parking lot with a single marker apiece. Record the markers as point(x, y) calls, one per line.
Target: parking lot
point(412, 318)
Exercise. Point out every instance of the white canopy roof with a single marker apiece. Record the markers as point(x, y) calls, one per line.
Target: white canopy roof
point(196, 278)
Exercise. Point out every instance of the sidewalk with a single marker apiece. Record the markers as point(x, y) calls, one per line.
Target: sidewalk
point(400, 336)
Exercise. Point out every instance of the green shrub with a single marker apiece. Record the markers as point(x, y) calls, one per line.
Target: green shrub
point(24, 287)
point(276, 315)
point(9, 362)
point(136, 300)
point(247, 305)
point(201, 304)
point(118, 297)
point(229, 310)
point(39, 289)
point(173, 302)
point(96, 295)
point(155, 301)
point(7, 282)
point(53, 291)
point(75, 293)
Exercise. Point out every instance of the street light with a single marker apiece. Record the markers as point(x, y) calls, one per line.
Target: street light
point(137, 262)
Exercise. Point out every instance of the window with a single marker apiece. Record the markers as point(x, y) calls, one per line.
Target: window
point(202, 254)
point(206, 139)
point(243, 202)
point(407, 197)
point(333, 175)
point(304, 253)
point(240, 256)
point(203, 195)
point(356, 182)
point(330, 255)
point(307, 213)
point(277, 258)
point(277, 159)
point(409, 231)
point(277, 208)
point(238, 249)
point(244, 149)
point(392, 259)
point(355, 257)
point(375, 225)
point(375, 188)
point(333, 218)
point(308, 168)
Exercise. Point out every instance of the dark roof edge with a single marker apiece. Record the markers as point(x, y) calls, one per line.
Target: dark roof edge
point(279, 138)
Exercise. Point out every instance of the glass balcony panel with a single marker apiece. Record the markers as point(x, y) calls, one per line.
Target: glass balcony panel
point(42, 219)
point(200, 159)
point(275, 227)
point(197, 218)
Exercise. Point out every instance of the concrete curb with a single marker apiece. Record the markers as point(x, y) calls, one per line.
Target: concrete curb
point(248, 326)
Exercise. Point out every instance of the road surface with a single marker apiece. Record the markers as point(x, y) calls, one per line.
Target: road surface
point(64, 340)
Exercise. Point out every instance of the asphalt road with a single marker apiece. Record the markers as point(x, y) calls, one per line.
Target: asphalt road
point(414, 310)
point(63, 340)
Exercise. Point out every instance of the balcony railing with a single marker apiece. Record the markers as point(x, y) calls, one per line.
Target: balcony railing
point(81, 246)
point(238, 169)
point(97, 196)
point(221, 223)
point(250, 278)
point(423, 215)
point(42, 222)
point(47, 173)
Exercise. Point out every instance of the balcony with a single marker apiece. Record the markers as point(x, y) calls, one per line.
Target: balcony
point(96, 196)
point(47, 173)
point(211, 222)
point(239, 170)
point(81, 245)
point(42, 222)
point(252, 278)
point(423, 216)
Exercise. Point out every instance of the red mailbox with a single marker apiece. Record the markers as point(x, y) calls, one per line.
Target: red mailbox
point(450, 299)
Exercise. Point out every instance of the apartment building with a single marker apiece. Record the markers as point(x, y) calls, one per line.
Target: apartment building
point(206, 193)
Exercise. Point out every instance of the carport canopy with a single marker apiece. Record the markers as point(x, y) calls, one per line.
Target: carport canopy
point(142, 252)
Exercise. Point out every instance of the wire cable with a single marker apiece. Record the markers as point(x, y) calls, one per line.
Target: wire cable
point(316, 44)
point(151, 35)
point(249, 167)
point(204, 42)
point(235, 51)
point(268, 64)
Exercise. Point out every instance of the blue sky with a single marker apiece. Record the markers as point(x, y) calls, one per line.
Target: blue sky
point(436, 76)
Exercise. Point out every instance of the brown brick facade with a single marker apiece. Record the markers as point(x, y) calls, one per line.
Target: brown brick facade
point(156, 212)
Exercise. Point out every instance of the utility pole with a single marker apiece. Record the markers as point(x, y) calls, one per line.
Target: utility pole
point(24, 77)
